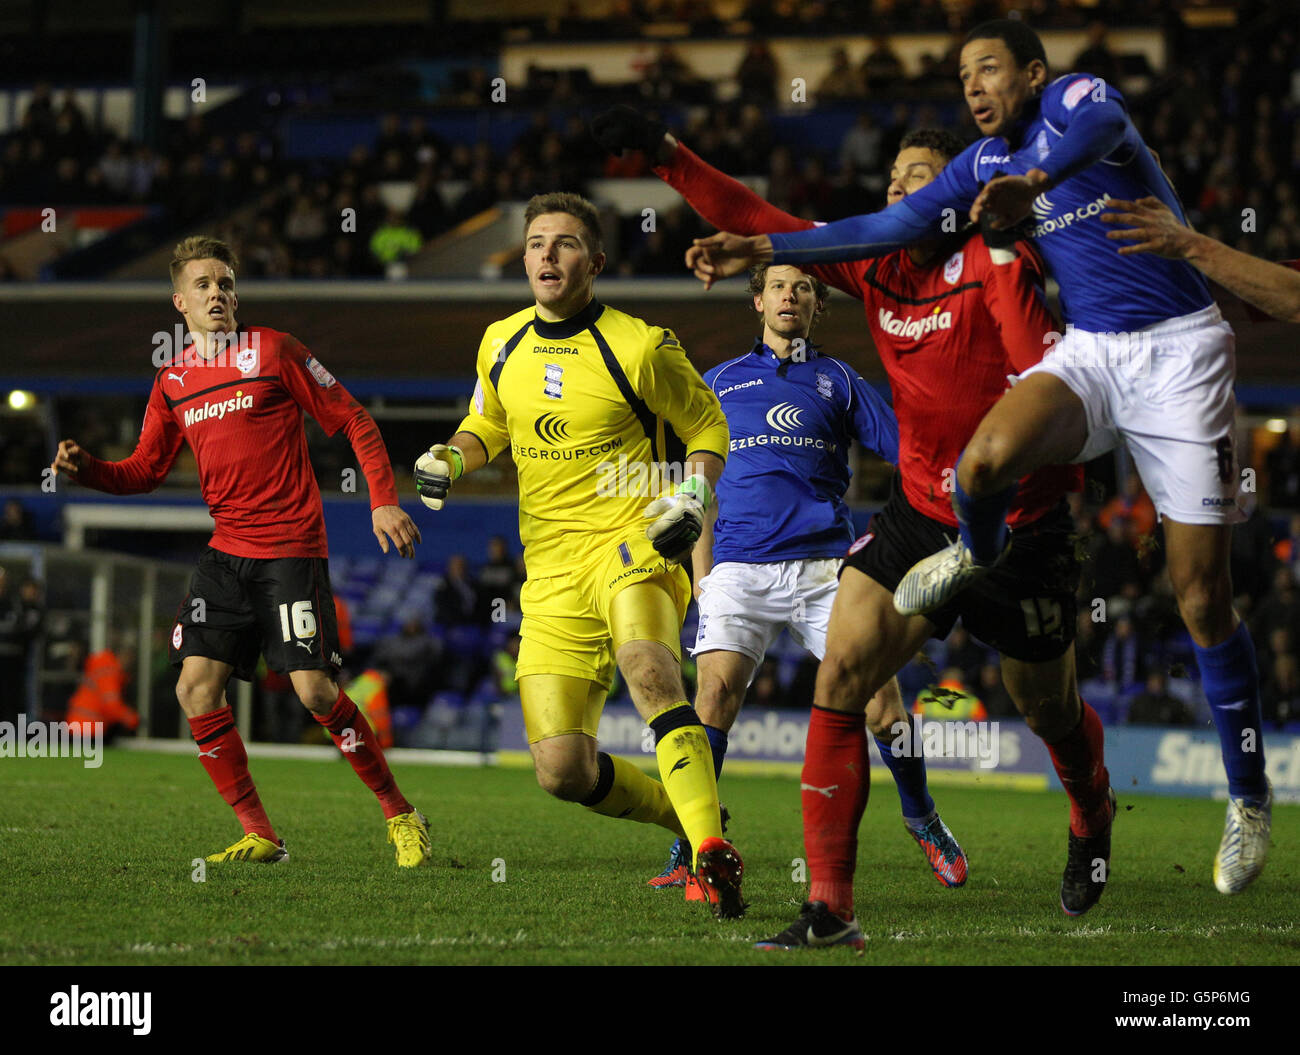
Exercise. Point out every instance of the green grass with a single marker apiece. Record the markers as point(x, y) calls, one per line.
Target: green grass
point(97, 870)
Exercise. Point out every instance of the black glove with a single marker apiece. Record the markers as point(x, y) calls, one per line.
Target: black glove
point(622, 128)
point(1005, 238)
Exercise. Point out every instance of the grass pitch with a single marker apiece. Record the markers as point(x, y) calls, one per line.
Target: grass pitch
point(99, 870)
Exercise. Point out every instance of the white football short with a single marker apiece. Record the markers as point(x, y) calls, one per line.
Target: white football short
point(1167, 393)
point(744, 607)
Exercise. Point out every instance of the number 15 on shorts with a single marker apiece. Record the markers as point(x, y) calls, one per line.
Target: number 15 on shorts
point(302, 619)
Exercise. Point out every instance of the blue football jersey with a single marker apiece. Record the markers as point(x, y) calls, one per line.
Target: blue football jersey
point(1101, 291)
point(781, 495)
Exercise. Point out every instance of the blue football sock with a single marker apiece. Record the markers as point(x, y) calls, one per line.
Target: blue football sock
point(1230, 680)
point(982, 521)
point(718, 743)
point(909, 774)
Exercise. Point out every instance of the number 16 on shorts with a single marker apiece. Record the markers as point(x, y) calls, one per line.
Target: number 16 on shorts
point(297, 622)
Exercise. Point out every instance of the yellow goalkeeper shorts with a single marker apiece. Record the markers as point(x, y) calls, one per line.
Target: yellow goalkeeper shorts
point(573, 627)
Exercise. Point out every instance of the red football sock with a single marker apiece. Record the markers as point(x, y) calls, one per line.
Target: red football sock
point(221, 750)
point(353, 736)
point(836, 781)
point(1080, 761)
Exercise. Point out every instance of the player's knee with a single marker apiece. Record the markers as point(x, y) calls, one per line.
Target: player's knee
point(318, 699)
point(568, 783)
point(886, 715)
point(1205, 604)
point(198, 695)
point(984, 462)
point(652, 677)
point(718, 702)
point(842, 683)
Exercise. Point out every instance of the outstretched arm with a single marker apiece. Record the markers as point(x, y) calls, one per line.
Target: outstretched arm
point(933, 209)
point(1273, 288)
point(731, 206)
point(155, 453)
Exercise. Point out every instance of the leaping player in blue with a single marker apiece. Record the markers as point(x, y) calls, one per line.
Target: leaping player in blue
point(772, 559)
point(1146, 360)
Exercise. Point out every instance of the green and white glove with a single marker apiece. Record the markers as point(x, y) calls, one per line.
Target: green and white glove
point(679, 519)
point(435, 471)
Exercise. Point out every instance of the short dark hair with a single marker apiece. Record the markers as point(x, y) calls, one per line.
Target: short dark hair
point(1023, 43)
point(944, 143)
point(821, 291)
point(574, 205)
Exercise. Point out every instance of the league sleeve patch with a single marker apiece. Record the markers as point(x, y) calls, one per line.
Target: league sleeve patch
point(478, 398)
point(669, 341)
point(1076, 92)
point(323, 377)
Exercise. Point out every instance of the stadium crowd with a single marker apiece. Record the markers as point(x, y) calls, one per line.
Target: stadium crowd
point(283, 218)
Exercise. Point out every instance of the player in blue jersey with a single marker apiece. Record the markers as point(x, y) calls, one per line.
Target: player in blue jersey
point(771, 561)
point(1146, 360)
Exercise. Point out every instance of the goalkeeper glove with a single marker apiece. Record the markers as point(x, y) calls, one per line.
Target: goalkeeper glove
point(435, 471)
point(621, 129)
point(679, 519)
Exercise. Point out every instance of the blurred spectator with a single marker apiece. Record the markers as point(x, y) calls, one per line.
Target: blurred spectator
point(1097, 58)
point(1134, 505)
point(456, 599)
point(1283, 463)
point(765, 689)
point(395, 240)
point(757, 75)
point(1251, 558)
point(841, 81)
point(813, 195)
point(411, 657)
point(881, 71)
point(1280, 609)
point(428, 214)
point(997, 701)
point(1123, 665)
point(1155, 706)
point(498, 581)
point(1280, 689)
point(15, 638)
point(505, 661)
point(860, 148)
point(99, 696)
point(16, 523)
point(1088, 642)
point(1116, 563)
point(963, 653)
point(667, 77)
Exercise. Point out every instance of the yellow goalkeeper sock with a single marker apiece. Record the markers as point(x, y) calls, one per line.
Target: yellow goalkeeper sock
point(686, 765)
point(624, 791)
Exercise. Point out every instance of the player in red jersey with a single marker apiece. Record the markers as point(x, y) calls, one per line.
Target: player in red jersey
point(950, 319)
point(237, 396)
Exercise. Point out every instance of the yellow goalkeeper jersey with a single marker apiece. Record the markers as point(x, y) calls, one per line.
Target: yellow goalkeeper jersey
point(591, 407)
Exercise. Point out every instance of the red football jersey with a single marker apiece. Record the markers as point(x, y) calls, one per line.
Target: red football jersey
point(241, 414)
point(948, 335)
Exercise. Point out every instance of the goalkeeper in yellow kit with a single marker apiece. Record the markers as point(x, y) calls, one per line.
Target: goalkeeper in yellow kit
point(584, 396)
